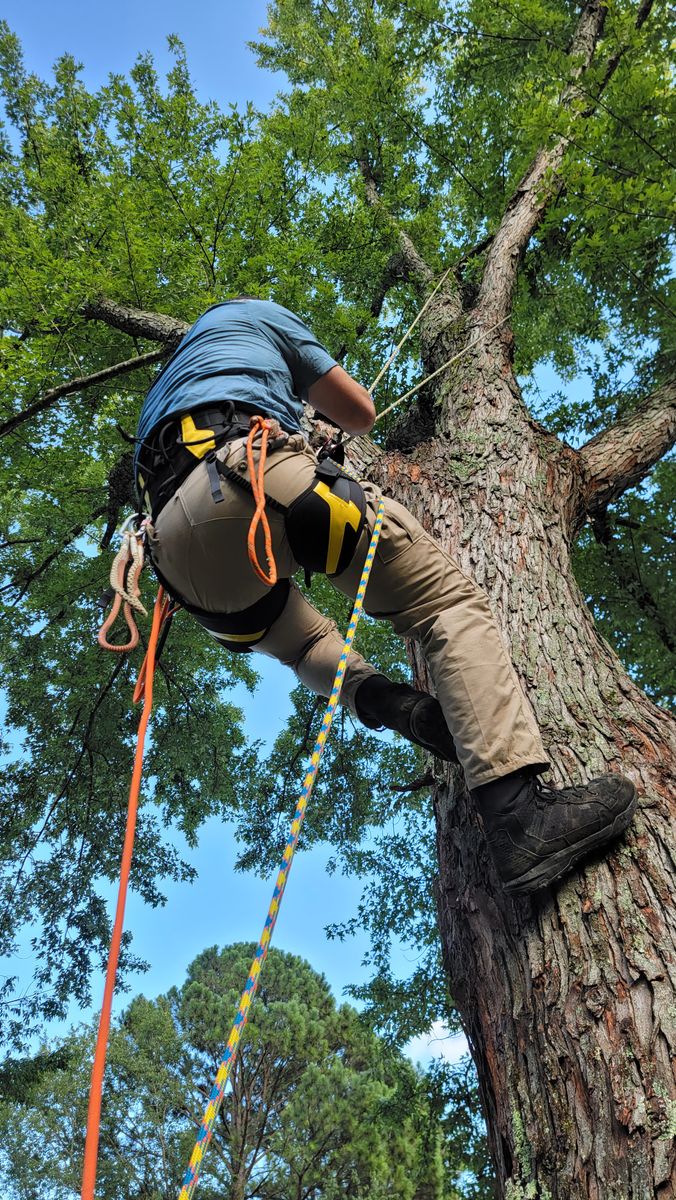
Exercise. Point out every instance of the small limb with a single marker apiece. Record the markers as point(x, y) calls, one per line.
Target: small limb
point(416, 785)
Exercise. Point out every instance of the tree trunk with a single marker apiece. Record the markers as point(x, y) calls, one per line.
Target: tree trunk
point(568, 1000)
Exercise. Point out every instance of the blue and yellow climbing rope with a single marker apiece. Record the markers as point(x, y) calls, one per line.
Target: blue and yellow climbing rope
point(191, 1177)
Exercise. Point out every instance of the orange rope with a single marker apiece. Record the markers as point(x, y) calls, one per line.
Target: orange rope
point(259, 425)
point(144, 691)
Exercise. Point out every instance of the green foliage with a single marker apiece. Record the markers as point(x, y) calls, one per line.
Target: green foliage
point(449, 104)
point(145, 194)
point(628, 581)
point(318, 1105)
point(454, 1095)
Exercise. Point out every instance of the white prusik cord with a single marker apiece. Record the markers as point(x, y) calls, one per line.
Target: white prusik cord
point(409, 331)
point(438, 371)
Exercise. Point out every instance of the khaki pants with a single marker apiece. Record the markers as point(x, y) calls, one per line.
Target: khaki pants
point(201, 549)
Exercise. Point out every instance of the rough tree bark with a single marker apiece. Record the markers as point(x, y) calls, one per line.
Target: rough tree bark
point(569, 1000)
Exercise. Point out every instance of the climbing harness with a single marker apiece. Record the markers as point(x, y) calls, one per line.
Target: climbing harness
point(174, 450)
point(180, 444)
point(216, 1097)
point(325, 522)
point(240, 631)
point(345, 505)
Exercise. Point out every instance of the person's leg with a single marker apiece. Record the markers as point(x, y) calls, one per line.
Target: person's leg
point(423, 593)
point(535, 834)
point(200, 548)
point(311, 644)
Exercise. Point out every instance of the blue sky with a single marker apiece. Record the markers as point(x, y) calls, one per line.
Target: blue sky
point(108, 38)
point(221, 906)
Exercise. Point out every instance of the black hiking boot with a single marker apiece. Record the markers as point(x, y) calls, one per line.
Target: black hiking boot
point(416, 715)
point(536, 834)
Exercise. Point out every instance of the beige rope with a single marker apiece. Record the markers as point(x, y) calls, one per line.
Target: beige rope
point(438, 371)
point(409, 331)
point(131, 548)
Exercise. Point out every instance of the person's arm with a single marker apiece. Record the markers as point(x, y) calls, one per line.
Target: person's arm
point(344, 401)
point(316, 376)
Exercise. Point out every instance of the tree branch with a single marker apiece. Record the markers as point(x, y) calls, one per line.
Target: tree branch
point(542, 182)
point(120, 495)
point(621, 456)
point(630, 582)
point(426, 780)
point(474, 251)
point(80, 385)
point(626, 523)
point(394, 271)
point(414, 264)
point(155, 327)
point(616, 58)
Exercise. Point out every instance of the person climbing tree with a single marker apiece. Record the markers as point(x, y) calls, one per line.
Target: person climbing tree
point(240, 376)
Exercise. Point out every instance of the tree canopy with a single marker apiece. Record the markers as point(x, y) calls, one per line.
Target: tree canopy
point(404, 129)
point(319, 1107)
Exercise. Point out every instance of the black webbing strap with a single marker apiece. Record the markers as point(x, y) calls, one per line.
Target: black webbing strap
point(214, 479)
point(240, 481)
point(259, 615)
point(165, 461)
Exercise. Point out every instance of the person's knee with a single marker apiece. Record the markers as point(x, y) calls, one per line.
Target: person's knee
point(297, 631)
point(324, 524)
point(304, 650)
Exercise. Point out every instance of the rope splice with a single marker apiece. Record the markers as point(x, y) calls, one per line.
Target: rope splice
point(124, 580)
point(260, 426)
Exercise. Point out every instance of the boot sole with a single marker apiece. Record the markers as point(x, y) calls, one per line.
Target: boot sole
point(546, 873)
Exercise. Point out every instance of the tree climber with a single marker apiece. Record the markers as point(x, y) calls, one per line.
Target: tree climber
point(246, 357)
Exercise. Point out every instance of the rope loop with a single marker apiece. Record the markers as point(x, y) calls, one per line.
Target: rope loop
point(144, 691)
point(260, 426)
point(124, 580)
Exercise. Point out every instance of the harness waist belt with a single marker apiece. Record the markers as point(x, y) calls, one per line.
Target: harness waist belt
point(178, 446)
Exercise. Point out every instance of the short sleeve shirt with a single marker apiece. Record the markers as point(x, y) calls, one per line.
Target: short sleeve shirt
point(253, 352)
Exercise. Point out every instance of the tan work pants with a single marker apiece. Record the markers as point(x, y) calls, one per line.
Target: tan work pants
point(201, 549)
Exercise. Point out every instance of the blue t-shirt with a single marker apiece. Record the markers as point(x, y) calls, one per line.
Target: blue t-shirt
point(253, 352)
